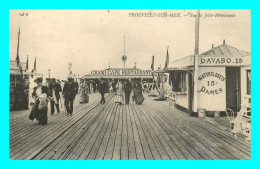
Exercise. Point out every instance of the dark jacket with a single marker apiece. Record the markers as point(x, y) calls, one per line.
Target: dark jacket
point(69, 89)
point(127, 87)
point(103, 87)
point(57, 89)
point(77, 86)
point(44, 90)
point(137, 88)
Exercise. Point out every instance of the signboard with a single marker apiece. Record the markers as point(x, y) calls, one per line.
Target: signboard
point(121, 72)
point(180, 68)
point(221, 61)
point(212, 88)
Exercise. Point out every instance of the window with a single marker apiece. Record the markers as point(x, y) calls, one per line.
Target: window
point(248, 79)
point(178, 81)
point(183, 82)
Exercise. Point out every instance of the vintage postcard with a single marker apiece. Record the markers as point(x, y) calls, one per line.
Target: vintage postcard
point(130, 85)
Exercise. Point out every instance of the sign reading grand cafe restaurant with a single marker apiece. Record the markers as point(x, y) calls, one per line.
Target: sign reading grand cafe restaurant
point(121, 73)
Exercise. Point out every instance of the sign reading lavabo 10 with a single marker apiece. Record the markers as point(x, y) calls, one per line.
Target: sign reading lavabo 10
point(221, 61)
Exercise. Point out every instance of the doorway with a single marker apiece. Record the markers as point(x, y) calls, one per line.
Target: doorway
point(233, 90)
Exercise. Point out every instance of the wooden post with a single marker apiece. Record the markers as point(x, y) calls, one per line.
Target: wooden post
point(196, 66)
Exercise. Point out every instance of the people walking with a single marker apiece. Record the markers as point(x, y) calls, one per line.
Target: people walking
point(127, 89)
point(55, 90)
point(69, 92)
point(84, 92)
point(40, 107)
point(110, 87)
point(77, 86)
point(137, 89)
point(119, 93)
point(102, 90)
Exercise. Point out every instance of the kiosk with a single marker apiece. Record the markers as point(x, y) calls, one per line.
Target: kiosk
point(224, 79)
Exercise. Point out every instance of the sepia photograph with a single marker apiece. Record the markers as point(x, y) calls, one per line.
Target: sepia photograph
point(130, 84)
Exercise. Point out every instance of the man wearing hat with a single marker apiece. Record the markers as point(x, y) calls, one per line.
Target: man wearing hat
point(55, 90)
point(69, 92)
point(103, 87)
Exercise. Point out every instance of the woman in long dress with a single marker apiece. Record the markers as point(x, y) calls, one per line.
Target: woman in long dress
point(127, 89)
point(137, 89)
point(40, 107)
point(119, 93)
point(84, 92)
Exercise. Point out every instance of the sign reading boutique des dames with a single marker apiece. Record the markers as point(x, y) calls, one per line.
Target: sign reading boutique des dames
point(121, 72)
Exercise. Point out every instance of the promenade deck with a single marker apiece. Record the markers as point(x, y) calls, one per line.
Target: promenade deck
point(111, 131)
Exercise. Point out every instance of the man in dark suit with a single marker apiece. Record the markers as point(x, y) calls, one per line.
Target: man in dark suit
point(55, 90)
point(69, 92)
point(102, 90)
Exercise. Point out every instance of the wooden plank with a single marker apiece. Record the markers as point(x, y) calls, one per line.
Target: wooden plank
point(174, 134)
point(200, 124)
point(117, 146)
point(130, 136)
point(111, 142)
point(88, 138)
point(170, 148)
point(43, 135)
point(39, 138)
point(69, 138)
point(229, 138)
point(151, 139)
point(137, 141)
point(95, 147)
point(238, 143)
point(62, 133)
point(146, 149)
point(198, 146)
point(213, 145)
point(19, 125)
point(29, 131)
point(124, 141)
point(103, 146)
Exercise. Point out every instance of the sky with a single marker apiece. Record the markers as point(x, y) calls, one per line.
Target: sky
point(93, 39)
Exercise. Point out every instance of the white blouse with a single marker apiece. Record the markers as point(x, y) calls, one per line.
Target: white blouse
point(39, 91)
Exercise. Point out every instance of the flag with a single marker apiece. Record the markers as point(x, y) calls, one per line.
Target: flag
point(27, 65)
point(18, 63)
point(167, 59)
point(34, 66)
point(152, 65)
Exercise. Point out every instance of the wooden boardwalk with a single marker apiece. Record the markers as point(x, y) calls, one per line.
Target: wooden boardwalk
point(112, 131)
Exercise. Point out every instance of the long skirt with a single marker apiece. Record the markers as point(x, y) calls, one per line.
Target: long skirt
point(119, 99)
point(84, 98)
point(127, 97)
point(42, 116)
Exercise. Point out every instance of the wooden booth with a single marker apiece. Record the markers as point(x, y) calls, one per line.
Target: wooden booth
point(223, 79)
point(21, 86)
